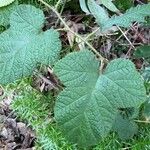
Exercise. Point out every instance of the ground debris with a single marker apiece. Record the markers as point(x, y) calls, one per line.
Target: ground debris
point(14, 135)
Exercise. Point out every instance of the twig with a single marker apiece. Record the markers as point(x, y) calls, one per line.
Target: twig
point(61, 11)
point(46, 80)
point(126, 31)
point(126, 148)
point(62, 29)
point(96, 30)
point(57, 4)
point(102, 66)
point(126, 37)
point(142, 121)
point(77, 35)
point(91, 34)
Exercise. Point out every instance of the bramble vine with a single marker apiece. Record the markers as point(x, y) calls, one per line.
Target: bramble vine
point(95, 99)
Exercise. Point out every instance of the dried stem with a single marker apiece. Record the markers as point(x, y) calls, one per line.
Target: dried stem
point(142, 121)
point(57, 5)
point(76, 34)
point(124, 34)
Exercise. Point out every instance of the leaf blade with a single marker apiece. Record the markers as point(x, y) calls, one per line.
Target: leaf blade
point(109, 4)
point(86, 109)
point(137, 14)
point(23, 46)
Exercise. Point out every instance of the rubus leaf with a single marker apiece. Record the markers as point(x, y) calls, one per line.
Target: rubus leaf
point(143, 52)
point(98, 12)
point(146, 110)
point(137, 14)
point(83, 6)
point(133, 14)
point(24, 44)
point(5, 2)
point(109, 4)
point(124, 5)
point(86, 109)
point(125, 127)
point(5, 13)
point(146, 74)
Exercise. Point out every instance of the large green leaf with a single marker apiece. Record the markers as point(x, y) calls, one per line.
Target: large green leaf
point(86, 109)
point(24, 44)
point(5, 13)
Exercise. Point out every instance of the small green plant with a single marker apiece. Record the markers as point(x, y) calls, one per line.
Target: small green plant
point(137, 13)
point(96, 92)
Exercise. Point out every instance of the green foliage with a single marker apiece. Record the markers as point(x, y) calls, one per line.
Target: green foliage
point(28, 103)
point(36, 109)
point(5, 2)
point(83, 6)
point(6, 10)
point(146, 74)
point(96, 10)
point(2, 28)
point(125, 127)
point(24, 44)
point(5, 13)
point(85, 110)
point(143, 52)
point(109, 4)
point(88, 107)
point(146, 111)
point(124, 5)
point(137, 14)
point(29, 107)
point(36, 3)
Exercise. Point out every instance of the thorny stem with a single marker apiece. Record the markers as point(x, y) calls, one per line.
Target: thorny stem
point(92, 33)
point(96, 30)
point(56, 87)
point(57, 4)
point(62, 8)
point(76, 34)
point(48, 81)
point(126, 37)
point(102, 66)
point(142, 121)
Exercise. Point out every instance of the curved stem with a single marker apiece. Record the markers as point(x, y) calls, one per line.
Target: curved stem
point(76, 34)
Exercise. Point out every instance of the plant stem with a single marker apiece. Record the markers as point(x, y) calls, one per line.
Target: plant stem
point(142, 121)
point(76, 34)
point(61, 11)
point(92, 33)
point(124, 34)
point(57, 4)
